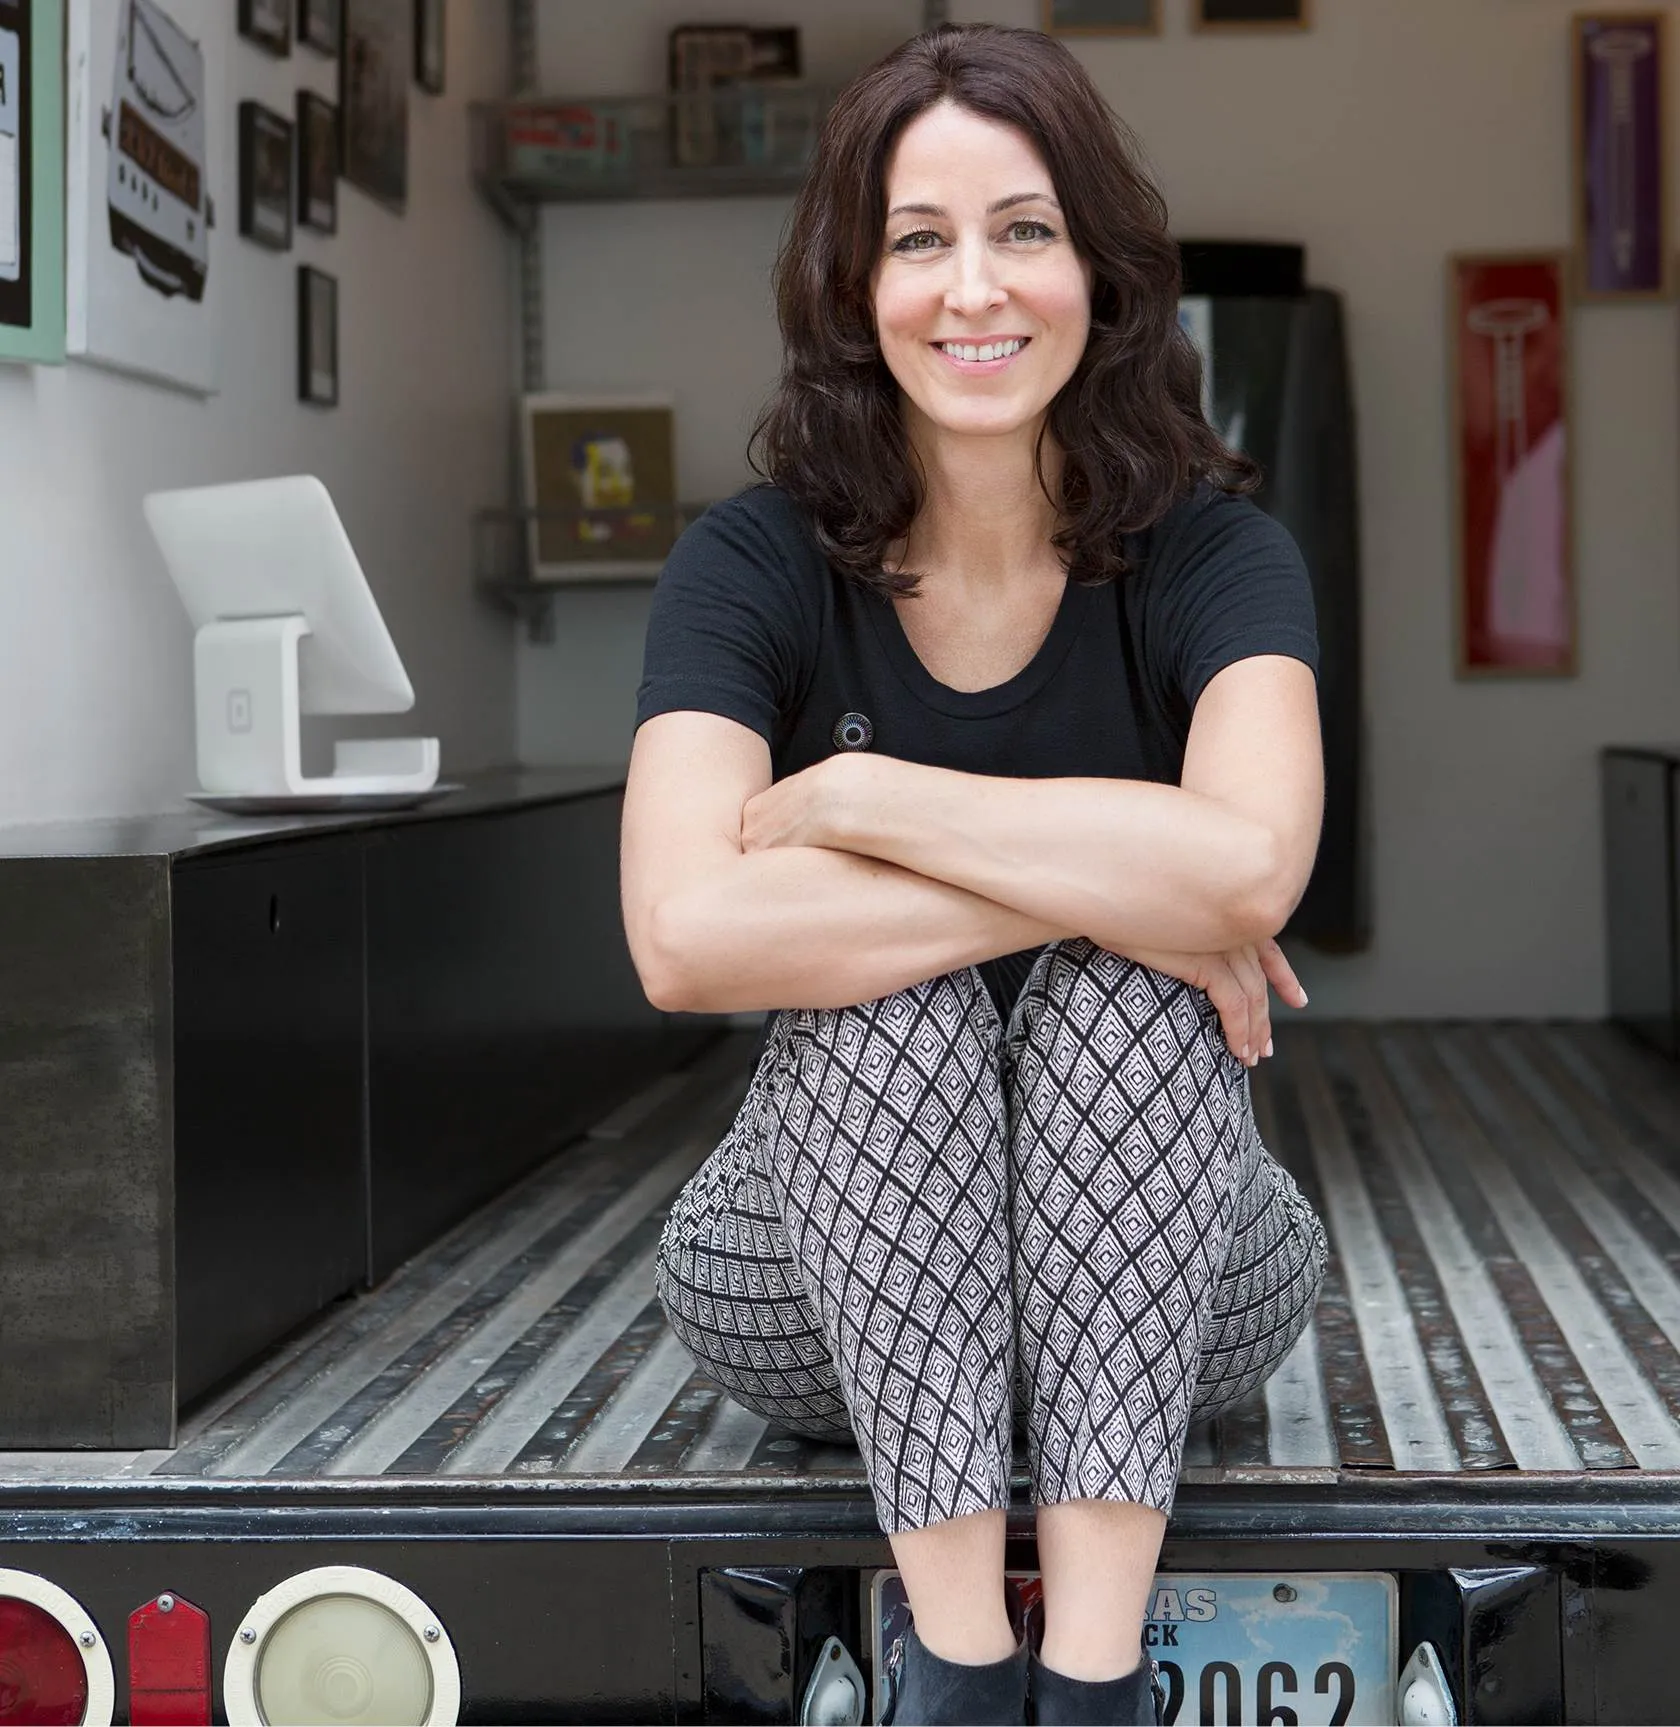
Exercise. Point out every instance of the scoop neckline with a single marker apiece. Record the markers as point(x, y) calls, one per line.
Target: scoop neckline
point(996, 698)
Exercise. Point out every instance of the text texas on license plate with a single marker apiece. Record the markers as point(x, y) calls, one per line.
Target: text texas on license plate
point(1241, 1648)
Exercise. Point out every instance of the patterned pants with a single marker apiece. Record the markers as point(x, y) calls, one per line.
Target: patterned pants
point(923, 1225)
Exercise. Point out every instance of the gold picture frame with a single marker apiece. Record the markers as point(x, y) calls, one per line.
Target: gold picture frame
point(599, 480)
point(1084, 17)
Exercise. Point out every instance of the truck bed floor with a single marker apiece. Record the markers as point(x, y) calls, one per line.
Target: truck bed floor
point(1503, 1203)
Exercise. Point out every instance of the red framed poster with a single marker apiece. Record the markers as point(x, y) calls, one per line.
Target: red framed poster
point(1509, 384)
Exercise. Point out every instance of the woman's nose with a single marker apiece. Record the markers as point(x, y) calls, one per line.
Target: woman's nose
point(975, 286)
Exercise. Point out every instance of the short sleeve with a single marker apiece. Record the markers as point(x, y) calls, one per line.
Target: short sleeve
point(735, 616)
point(1230, 583)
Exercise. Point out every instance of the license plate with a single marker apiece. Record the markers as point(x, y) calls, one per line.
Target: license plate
point(1237, 1648)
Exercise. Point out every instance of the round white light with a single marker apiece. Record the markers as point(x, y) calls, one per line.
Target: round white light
point(62, 1606)
point(341, 1644)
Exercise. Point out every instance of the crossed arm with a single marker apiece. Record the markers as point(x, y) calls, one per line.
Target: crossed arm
point(865, 874)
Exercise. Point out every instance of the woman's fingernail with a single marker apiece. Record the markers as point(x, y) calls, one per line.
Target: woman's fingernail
point(1303, 998)
point(1268, 1046)
point(1245, 1055)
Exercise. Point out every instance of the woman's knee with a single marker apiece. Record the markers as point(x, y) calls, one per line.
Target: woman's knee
point(1093, 1023)
point(906, 1085)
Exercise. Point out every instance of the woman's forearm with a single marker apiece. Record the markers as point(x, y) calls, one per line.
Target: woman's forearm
point(802, 926)
point(1132, 864)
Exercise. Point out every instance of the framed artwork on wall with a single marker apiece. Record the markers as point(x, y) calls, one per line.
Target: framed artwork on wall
point(267, 23)
point(1619, 157)
point(144, 276)
point(1250, 14)
point(1509, 385)
point(317, 337)
point(317, 163)
point(430, 21)
point(317, 25)
point(375, 62)
point(1100, 17)
point(265, 176)
point(600, 475)
point(31, 181)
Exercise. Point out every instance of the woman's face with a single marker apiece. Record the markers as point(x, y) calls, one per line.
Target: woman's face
point(982, 306)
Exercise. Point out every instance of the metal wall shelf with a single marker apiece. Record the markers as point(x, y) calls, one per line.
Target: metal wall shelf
point(736, 141)
point(518, 564)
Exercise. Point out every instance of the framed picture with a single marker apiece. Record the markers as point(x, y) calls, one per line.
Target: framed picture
point(1250, 15)
point(722, 75)
point(31, 181)
point(268, 23)
point(1100, 17)
point(376, 59)
point(1619, 158)
point(1508, 318)
point(265, 176)
point(317, 163)
point(430, 18)
point(600, 478)
point(144, 248)
point(317, 337)
point(317, 25)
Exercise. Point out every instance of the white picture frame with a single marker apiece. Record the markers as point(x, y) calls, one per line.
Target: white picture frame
point(612, 519)
point(144, 272)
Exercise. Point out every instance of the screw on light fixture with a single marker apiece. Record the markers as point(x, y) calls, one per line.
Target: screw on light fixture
point(166, 1604)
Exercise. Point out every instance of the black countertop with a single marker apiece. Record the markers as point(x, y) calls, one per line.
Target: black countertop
point(190, 830)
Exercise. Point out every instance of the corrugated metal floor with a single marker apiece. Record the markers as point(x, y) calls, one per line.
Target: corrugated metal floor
point(1503, 1203)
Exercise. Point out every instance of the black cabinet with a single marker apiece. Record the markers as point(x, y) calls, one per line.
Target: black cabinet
point(504, 1015)
point(1642, 917)
point(245, 1068)
point(271, 1217)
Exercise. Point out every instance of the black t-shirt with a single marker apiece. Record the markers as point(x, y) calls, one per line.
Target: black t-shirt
point(749, 621)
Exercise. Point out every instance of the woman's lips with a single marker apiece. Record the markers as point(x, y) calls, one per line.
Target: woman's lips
point(983, 368)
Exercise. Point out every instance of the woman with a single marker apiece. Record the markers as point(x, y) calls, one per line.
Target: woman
point(983, 744)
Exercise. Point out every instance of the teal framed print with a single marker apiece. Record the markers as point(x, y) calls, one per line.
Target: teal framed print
point(31, 180)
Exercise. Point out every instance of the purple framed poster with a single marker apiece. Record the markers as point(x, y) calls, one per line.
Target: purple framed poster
point(1621, 206)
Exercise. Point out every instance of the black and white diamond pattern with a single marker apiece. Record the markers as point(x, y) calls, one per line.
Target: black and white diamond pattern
point(914, 1213)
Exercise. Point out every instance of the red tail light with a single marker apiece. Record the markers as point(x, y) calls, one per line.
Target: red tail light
point(169, 1664)
point(43, 1680)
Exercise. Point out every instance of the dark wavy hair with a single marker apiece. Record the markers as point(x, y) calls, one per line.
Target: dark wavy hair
point(1129, 421)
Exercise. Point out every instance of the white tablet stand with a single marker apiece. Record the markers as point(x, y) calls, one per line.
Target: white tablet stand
point(245, 674)
point(286, 626)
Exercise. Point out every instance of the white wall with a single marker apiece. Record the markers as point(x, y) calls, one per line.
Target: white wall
point(1390, 135)
point(95, 649)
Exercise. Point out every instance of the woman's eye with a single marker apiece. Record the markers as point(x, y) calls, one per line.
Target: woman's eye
point(1028, 230)
point(919, 241)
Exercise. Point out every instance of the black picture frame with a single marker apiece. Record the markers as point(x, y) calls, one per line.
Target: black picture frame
point(317, 163)
point(267, 24)
point(1251, 15)
point(375, 65)
point(317, 326)
point(431, 53)
point(318, 25)
point(265, 176)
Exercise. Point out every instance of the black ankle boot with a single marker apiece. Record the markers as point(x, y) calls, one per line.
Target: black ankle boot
point(1133, 1700)
point(926, 1691)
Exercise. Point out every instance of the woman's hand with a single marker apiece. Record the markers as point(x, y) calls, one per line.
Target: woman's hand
point(809, 808)
point(789, 813)
point(1235, 982)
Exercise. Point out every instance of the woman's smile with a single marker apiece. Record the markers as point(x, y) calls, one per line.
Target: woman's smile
point(983, 358)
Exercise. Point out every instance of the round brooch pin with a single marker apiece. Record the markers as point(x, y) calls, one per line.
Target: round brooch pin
point(853, 732)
